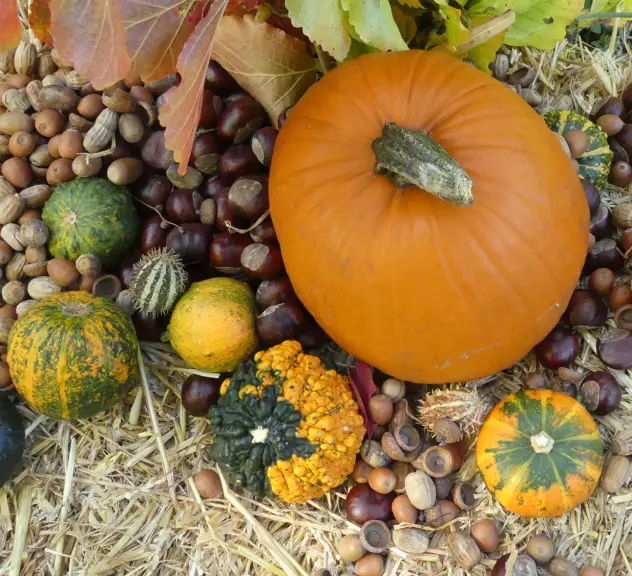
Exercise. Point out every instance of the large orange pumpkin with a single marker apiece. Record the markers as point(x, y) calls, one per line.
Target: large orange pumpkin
point(429, 287)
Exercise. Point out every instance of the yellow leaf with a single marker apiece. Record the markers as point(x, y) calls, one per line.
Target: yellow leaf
point(406, 24)
point(454, 28)
point(271, 65)
point(374, 23)
point(324, 22)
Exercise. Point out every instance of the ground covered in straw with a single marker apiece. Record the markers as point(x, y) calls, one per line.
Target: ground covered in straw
point(114, 495)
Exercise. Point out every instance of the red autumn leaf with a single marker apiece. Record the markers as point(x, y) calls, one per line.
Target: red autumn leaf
point(156, 33)
point(90, 34)
point(183, 103)
point(361, 376)
point(39, 20)
point(10, 28)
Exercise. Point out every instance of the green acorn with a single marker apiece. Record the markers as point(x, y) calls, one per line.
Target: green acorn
point(159, 278)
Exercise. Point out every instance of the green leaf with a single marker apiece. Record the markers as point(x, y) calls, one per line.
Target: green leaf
point(539, 23)
point(374, 22)
point(484, 54)
point(606, 6)
point(453, 26)
point(358, 48)
point(323, 22)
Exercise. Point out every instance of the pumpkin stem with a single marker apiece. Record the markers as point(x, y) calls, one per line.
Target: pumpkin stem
point(413, 158)
point(542, 443)
point(259, 435)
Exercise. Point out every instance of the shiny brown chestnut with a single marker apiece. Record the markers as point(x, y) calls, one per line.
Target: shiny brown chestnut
point(219, 81)
point(155, 152)
point(600, 393)
point(224, 213)
point(148, 328)
point(261, 261)
point(265, 233)
point(615, 349)
point(601, 225)
point(240, 120)
point(593, 198)
point(153, 190)
point(237, 161)
point(559, 348)
point(280, 322)
point(205, 144)
point(311, 335)
point(262, 143)
point(610, 106)
point(624, 138)
point(278, 291)
point(212, 186)
point(604, 254)
point(212, 107)
point(248, 196)
point(184, 206)
point(199, 393)
point(225, 251)
point(364, 504)
point(190, 241)
point(586, 308)
point(154, 234)
point(601, 281)
point(620, 174)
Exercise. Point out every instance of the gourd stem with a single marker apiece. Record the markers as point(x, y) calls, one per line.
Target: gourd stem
point(542, 443)
point(412, 158)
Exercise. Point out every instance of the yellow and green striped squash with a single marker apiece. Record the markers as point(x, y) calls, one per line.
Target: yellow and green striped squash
point(73, 355)
point(594, 164)
point(540, 453)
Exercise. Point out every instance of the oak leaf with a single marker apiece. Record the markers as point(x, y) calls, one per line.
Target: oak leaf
point(183, 103)
point(272, 66)
point(156, 33)
point(90, 34)
point(10, 28)
point(39, 20)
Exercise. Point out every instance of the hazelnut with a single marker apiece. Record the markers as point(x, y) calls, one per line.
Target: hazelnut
point(540, 548)
point(393, 388)
point(381, 408)
point(485, 534)
point(403, 510)
point(208, 484)
point(382, 480)
point(562, 567)
point(370, 565)
point(63, 271)
point(350, 548)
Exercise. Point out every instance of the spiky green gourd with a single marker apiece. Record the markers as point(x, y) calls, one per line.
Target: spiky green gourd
point(91, 216)
point(594, 164)
point(159, 280)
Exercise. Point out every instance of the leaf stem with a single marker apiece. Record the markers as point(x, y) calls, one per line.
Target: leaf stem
point(605, 15)
point(322, 58)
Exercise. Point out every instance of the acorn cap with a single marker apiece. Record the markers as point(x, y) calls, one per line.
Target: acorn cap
point(463, 496)
point(375, 536)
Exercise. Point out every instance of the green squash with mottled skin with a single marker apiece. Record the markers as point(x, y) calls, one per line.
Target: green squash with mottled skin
point(213, 325)
point(73, 355)
point(91, 216)
point(594, 164)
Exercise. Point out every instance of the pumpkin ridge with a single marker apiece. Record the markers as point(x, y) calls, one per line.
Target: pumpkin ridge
point(563, 490)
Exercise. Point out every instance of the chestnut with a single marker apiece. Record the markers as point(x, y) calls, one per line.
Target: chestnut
point(154, 234)
point(264, 232)
point(219, 81)
point(262, 144)
point(604, 254)
point(148, 328)
point(559, 348)
point(271, 292)
point(212, 186)
point(623, 317)
point(155, 152)
point(279, 322)
point(311, 335)
point(224, 213)
point(204, 144)
point(184, 206)
point(499, 567)
point(199, 393)
point(610, 124)
point(593, 198)
point(601, 225)
point(564, 387)
point(615, 349)
point(240, 120)
point(190, 241)
point(485, 534)
point(610, 106)
point(620, 174)
point(122, 150)
point(586, 308)
point(601, 281)
point(364, 504)
point(600, 393)
point(237, 161)
point(153, 190)
point(624, 138)
point(261, 261)
point(225, 252)
point(248, 196)
point(212, 107)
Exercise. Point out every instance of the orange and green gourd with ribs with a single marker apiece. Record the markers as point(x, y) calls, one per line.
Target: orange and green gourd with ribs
point(285, 426)
point(73, 355)
point(540, 453)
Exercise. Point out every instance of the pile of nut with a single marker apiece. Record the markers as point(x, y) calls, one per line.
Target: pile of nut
point(405, 481)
